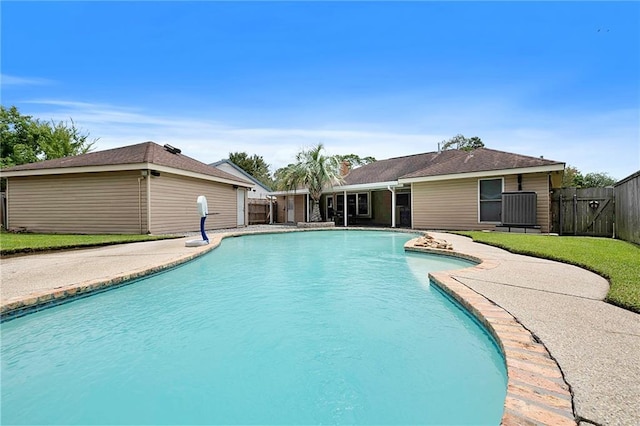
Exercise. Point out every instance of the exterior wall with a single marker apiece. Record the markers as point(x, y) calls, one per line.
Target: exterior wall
point(300, 208)
point(84, 203)
point(381, 208)
point(257, 192)
point(173, 204)
point(453, 204)
point(538, 183)
point(280, 214)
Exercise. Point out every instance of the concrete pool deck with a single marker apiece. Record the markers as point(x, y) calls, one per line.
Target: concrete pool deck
point(596, 345)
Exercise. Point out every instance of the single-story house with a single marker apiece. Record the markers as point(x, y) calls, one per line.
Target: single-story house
point(451, 189)
point(259, 191)
point(136, 189)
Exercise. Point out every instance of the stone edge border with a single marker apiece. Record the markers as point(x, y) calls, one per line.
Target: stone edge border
point(537, 393)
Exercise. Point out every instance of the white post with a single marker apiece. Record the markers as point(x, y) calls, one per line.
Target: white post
point(344, 209)
point(393, 206)
point(307, 208)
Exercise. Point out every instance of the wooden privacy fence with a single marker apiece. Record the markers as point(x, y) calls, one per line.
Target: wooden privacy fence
point(258, 212)
point(3, 209)
point(627, 193)
point(583, 211)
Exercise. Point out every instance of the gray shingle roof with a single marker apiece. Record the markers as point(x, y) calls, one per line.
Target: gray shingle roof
point(394, 168)
point(442, 163)
point(146, 152)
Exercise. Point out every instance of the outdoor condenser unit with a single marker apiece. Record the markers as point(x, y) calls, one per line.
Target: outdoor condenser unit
point(519, 208)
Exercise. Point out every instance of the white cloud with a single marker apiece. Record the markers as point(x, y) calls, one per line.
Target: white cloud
point(11, 80)
point(607, 142)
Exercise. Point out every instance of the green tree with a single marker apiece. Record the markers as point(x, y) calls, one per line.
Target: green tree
point(313, 170)
point(572, 177)
point(597, 180)
point(575, 179)
point(254, 165)
point(462, 143)
point(26, 139)
point(355, 160)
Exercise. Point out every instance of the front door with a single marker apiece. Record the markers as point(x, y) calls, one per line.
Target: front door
point(240, 195)
point(291, 217)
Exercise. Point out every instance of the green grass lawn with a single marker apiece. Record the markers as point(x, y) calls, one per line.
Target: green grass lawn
point(11, 243)
point(615, 260)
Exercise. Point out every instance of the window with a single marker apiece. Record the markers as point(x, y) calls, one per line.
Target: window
point(330, 213)
point(490, 199)
point(363, 204)
point(357, 204)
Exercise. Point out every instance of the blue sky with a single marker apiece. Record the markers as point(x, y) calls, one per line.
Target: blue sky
point(557, 79)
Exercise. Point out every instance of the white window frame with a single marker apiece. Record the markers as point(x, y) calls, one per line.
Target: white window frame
point(479, 201)
point(356, 194)
point(326, 207)
point(368, 215)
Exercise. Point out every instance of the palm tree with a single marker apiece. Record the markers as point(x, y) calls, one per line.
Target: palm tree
point(312, 170)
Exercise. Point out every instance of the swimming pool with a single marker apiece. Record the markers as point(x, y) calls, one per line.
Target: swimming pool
point(297, 328)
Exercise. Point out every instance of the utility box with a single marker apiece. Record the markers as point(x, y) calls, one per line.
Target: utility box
point(519, 208)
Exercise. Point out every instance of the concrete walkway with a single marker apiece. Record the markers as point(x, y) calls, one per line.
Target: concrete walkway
point(596, 345)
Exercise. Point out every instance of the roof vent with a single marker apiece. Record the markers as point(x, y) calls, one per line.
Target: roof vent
point(172, 149)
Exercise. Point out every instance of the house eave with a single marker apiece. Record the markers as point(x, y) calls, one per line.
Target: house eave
point(301, 191)
point(120, 168)
point(486, 173)
point(363, 186)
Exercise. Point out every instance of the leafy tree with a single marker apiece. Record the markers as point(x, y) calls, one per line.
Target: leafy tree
point(574, 178)
point(355, 160)
point(26, 139)
point(312, 170)
point(597, 180)
point(460, 142)
point(254, 165)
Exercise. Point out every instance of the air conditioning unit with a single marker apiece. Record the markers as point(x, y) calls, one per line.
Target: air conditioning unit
point(519, 208)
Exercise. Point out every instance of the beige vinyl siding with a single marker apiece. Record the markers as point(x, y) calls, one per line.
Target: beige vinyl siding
point(87, 203)
point(280, 209)
point(453, 204)
point(450, 204)
point(299, 212)
point(174, 208)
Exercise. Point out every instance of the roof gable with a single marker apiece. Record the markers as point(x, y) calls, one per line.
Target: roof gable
point(241, 171)
point(146, 152)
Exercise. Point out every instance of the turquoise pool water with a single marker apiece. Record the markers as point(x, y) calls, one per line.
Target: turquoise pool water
point(302, 328)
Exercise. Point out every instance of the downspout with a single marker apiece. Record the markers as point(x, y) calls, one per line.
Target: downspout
point(344, 209)
point(140, 203)
point(411, 206)
point(6, 206)
point(270, 210)
point(307, 209)
point(393, 205)
point(149, 205)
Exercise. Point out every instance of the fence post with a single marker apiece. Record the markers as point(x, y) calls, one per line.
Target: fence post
point(575, 214)
point(561, 213)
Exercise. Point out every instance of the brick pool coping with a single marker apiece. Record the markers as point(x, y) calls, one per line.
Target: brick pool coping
point(536, 390)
